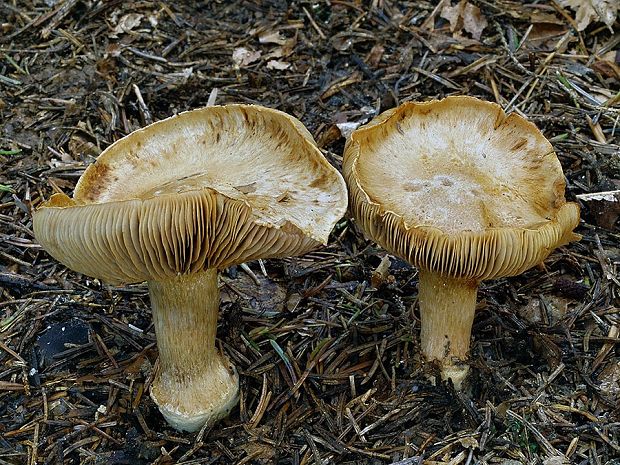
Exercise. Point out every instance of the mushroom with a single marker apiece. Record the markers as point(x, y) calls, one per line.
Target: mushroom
point(174, 202)
point(464, 193)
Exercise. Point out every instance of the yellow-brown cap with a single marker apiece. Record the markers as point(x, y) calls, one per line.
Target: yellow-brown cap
point(207, 188)
point(457, 187)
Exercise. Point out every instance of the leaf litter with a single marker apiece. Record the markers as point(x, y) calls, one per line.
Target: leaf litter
point(587, 11)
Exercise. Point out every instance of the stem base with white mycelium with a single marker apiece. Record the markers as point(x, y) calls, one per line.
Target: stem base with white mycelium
point(447, 307)
point(195, 384)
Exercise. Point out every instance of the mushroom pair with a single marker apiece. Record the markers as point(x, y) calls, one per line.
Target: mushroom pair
point(455, 187)
point(464, 193)
point(174, 202)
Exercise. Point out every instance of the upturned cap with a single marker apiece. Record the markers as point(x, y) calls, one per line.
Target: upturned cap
point(207, 188)
point(457, 187)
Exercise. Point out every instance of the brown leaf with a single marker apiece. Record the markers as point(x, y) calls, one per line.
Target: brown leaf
point(272, 37)
point(453, 15)
point(607, 65)
point(607, 68)
point(545, 31)
point(267, 297)
point(328, 135)
point(374, 56)
point(128, 22)
point(545, 346)
point(242, 56)
point(540, 16)
point(604, 206)
point(465, 16)
point(593, 10)
point(78, 147)
point(474, 21)
point(258, 450)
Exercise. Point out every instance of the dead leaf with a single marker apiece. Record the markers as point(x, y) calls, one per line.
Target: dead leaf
point(541, 16)
point(128, 22)
point(153, 20)
point(267, 298)
point(607, 68)
point(258, 450)
point(242, 56)
point(277, 52)
point(609, 378)
point(349, 121)
point(593, 10)
point(474, 21)
point(569, 288)
point(79, 147)
point(469, 442)
point(328, 135)
point(604, 206)
point(453, 15)
point(272, 37)
point(375, 55)
point(556, 308)
point(545, 347)
point(113, 50)
point(465, 16)
point(276, 64)
point(607, 64)
point(345, 40)
point(549, 311)
point(347, 128)
point(544, 31)
point(531, 312)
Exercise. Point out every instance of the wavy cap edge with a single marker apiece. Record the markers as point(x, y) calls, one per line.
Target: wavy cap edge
point(493, 253)
point(137, 235)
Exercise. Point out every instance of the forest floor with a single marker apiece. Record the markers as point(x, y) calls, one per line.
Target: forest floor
point(329, 365)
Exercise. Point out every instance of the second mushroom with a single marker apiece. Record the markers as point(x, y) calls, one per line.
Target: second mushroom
point(174, 202)
point(463, 192)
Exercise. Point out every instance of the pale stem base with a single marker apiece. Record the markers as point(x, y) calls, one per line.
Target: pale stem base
point(447, 307)
point(195, 384)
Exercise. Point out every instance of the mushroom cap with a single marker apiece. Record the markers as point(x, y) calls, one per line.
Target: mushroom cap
point(457, 187)
point(207, 188)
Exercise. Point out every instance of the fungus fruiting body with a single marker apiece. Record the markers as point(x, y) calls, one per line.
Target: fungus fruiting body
point(463, 192)
point(174, 202)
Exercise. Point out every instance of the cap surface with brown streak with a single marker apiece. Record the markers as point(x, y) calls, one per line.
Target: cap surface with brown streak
point(204, 189)
point(458, 187)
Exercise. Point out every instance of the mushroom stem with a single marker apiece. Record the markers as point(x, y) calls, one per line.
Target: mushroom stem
point(195, 384)
point(447, 307)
